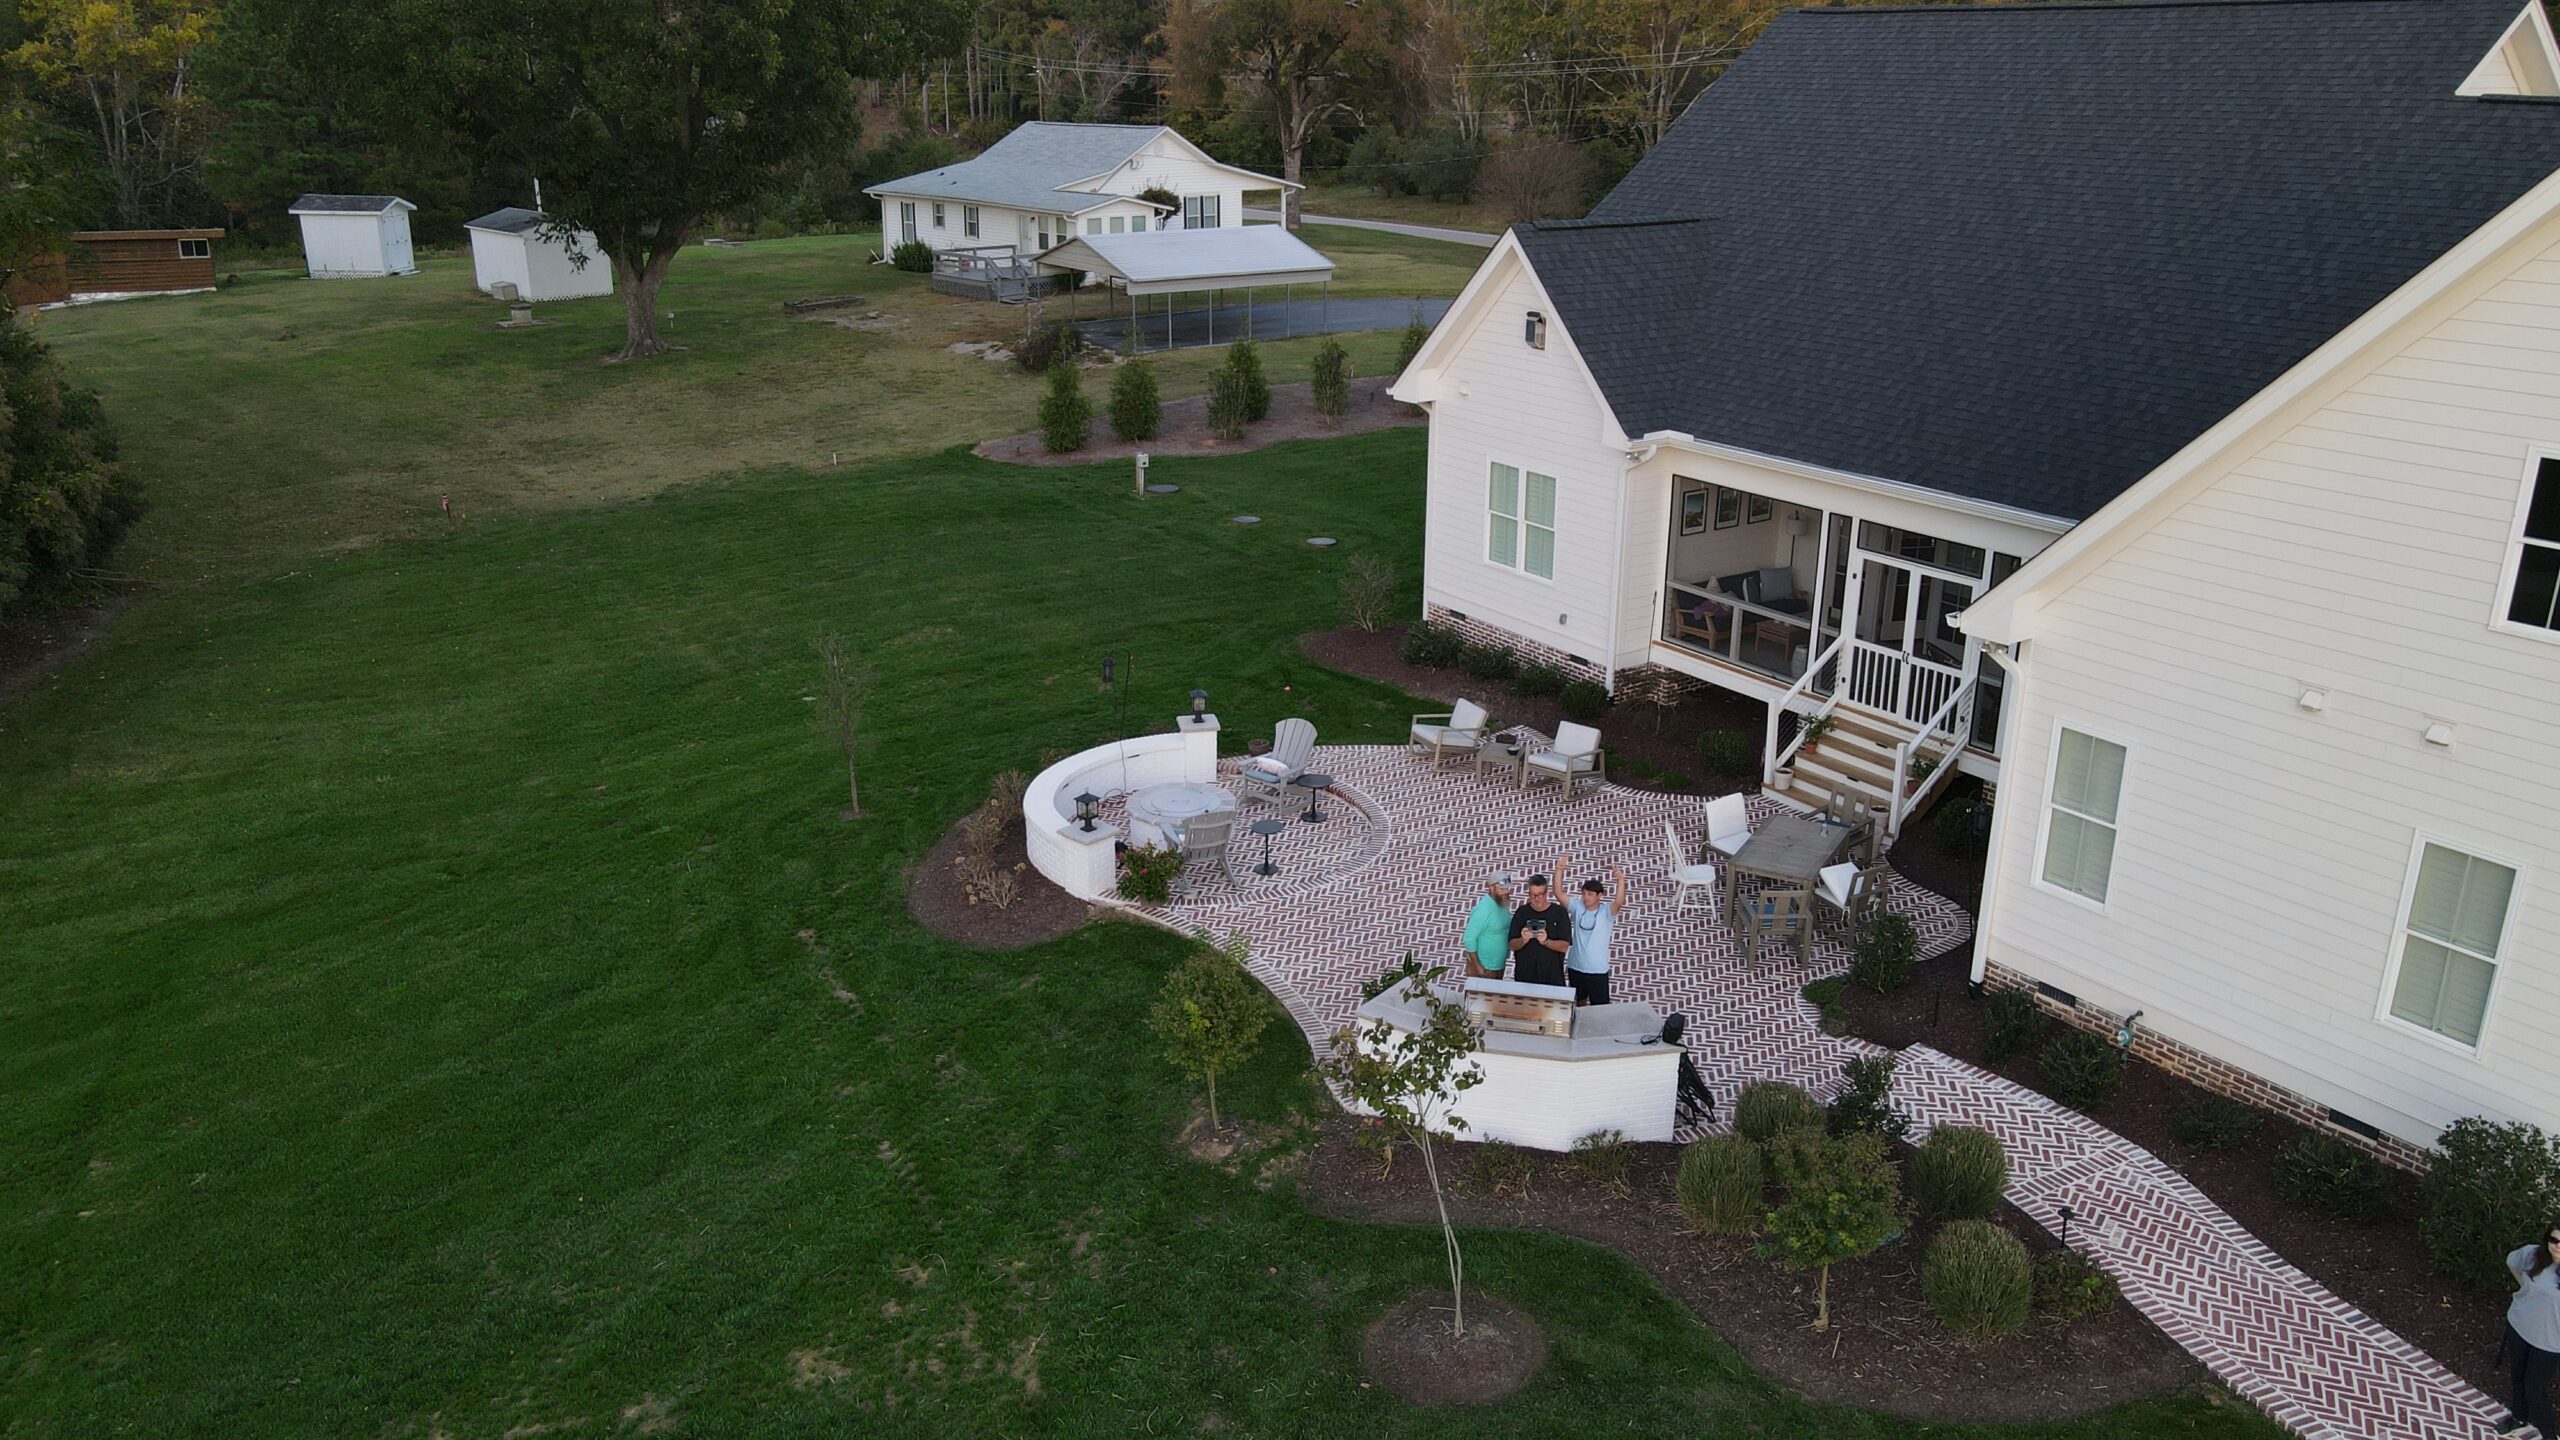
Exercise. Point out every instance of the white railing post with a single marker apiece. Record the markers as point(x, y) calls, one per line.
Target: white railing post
point(1771, 757)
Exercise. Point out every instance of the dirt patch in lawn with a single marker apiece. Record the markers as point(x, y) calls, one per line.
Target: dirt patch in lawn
point(1884, 1350)
point(2380, 1268)
point(36, 643)
point(1411, 1351)
point(938, 896)
point(1186, 426)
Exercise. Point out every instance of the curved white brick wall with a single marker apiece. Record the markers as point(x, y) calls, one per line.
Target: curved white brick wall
point(1083, 864)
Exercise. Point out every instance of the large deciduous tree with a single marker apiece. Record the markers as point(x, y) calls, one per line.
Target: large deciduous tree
point(1303, 58)
point(641, 118)
point(126, 68)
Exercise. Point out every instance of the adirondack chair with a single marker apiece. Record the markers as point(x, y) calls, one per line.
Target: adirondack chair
point(1267, 777)
point(1204, 844)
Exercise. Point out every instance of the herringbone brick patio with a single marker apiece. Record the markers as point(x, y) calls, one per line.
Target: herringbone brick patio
point(1399, 860)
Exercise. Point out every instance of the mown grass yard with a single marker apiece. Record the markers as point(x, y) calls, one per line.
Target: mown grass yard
point(438, 996)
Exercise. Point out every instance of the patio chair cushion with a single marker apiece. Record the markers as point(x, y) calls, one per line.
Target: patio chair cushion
point(1745, 585)
point(1555, 764)
point(1447, 737)
point(1270, 766)
point(1777, 582)
point(1467, 715)
point(1573, 739)
point(1838, 881)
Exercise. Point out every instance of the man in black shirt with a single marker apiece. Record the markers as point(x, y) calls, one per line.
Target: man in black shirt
point(1541, 933)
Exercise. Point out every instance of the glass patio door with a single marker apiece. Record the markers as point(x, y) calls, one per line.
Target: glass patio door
point(1904, 656)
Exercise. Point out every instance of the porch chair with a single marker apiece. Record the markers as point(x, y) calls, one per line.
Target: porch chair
point(1775, 918)
point(1572, 758)
point(1204, 843)
point(1457, 732)
point(1688, 879)
point(1703, 623)
point(1855, 893)
point(1728, 824)
point(1293, 744)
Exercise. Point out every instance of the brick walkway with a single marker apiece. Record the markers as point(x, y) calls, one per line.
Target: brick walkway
point(1398, 862)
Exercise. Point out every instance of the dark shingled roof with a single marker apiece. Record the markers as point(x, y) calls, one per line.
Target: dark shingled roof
point(344, 204)
point(2024, 253)
point(508, 219)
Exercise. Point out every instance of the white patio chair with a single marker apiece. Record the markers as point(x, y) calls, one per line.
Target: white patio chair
point(1204, 843)
point(1267, 777)
point(1688, 879)
point(1458, 732)
point(1856, 894)
point(1573, 758)
point(1728, 824)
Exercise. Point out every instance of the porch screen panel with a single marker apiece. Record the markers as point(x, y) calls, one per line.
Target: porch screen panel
point(2448, 958)
point(1502, 527)
point(1539, 557)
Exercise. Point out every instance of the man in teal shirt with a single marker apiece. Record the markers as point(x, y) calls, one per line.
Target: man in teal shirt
point(1488, 940)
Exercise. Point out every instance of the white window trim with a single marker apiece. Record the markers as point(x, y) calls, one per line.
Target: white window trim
point(937, 214)
point(2513, 562)
point(2045, 807)
point(1519, 564)
point(204, 254)
point(2396, 945)
point(969, 221)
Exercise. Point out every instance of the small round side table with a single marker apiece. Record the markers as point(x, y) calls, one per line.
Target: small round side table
point(1266, 829)
point(1315, 784)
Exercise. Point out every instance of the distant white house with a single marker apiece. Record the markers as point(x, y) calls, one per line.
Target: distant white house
point(513, 245)
point(1047, 182)
point(2171, 442)
point(347, 237)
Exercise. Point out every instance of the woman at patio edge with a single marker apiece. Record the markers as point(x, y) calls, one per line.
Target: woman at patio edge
point(2533, 1332)
point(1488, 935)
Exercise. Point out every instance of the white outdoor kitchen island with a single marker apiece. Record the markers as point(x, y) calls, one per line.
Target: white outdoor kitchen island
point(1545, 1091)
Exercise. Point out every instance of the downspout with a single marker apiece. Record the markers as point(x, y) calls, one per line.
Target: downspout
point(1617, 587)
point(2013, 658)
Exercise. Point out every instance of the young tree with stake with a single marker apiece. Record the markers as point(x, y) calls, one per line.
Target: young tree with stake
point(1211, 1014)
point(844, 687)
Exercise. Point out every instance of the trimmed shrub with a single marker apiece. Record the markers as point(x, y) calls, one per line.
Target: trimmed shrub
point(1583, 700)
point(1766, 1107)
point(1722, 1183)
point(2070, 1286)
point(1416, 332)
point(1147, 872)
point(1828, 998)
point(2012, 1023)
point(1865, 1106)
point(2082, 1070)
point(1230, 406)
point(1978, 1278)
point(1538, 678)
point(1603, 1157)
point(2324, 1175)
point(1137, 410)
point(1505, 1168)
point(1489, 662)
point(2213, 1122)
point(1881, 958)
point(2488, 1188)
point(1066, 416)
point(913, 256)
point(1330, 381)
point(1246, 359)
point(1432, 646)
point(1958, 1173)
point(1729, 752)
point(1042, 346)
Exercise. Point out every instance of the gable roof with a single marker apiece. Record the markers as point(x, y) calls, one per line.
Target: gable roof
point(1030, 168)
point(317, 204)
point(2024, 253)
point(507, 220)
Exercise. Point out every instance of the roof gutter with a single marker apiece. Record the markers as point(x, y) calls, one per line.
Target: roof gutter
point(1655, 440)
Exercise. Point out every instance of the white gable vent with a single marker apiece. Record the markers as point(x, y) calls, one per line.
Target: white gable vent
point(2526, 60)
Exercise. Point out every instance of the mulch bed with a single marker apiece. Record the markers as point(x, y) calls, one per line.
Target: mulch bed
point(1040, 913)
point(2380, 1268)
point(1883, 1352)
point(1410, 1351)
point(1185, 430)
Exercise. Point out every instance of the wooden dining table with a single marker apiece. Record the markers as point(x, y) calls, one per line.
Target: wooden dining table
point(1789, 848)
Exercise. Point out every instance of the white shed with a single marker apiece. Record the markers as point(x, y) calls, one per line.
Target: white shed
point(513, 245)
point(346, 237)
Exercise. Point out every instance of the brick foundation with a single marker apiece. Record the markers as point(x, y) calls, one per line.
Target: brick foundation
point(2209, 1073)
point(1529, 651)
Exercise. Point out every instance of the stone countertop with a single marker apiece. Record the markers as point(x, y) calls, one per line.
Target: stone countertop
point(1600, 1032)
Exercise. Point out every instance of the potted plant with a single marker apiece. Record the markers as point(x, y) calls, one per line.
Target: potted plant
point(1815, 727)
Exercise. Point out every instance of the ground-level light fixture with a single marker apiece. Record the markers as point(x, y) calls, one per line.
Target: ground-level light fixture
point(1088, 806)
point(1199, 703)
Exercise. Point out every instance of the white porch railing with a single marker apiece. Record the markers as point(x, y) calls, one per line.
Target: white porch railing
point(1772, 759)
point(1923, 763)
point(1904, 686)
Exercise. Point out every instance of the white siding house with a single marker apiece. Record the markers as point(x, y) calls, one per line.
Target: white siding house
point(513, 246)
point(347, 237)
point(1047, 182)
point(2216, 521)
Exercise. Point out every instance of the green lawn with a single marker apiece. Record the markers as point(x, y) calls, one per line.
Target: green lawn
point(289, 416)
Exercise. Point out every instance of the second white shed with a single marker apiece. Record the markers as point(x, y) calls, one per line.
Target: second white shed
point(347, 237)
point(513, 245)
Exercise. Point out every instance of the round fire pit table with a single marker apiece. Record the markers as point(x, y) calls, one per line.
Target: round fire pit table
point(1316, 785)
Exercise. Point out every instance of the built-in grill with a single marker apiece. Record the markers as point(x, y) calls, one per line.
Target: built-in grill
point(1520, 1007)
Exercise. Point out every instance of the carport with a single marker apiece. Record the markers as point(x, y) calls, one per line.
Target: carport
point(1202, 262)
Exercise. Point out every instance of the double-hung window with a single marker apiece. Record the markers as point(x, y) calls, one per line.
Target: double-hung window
point(2451, 929)
point(1520, 520)
point(1119, 224)
point(969, 221)
point(1093, 224)
point(2080, 814)
point(937, 214)
point(2533, 563)
point(1199, 212)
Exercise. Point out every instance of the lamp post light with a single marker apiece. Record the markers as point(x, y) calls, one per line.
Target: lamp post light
point(1088, 806)
point(2065, 1213)
point(1199, 703)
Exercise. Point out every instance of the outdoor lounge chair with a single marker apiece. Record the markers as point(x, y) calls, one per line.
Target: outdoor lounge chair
point(1292, 746)
point(1728, 824)
point(1458, 732)
point(1573, 758)
point(1688, 879)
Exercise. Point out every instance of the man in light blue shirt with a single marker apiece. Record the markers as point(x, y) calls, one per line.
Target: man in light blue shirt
point(1595, 913)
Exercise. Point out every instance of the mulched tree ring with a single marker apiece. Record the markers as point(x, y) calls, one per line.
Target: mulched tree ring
point(1040, 913)
point(1410, 1351)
